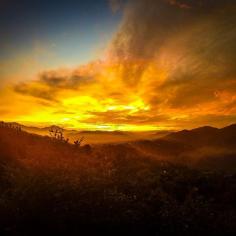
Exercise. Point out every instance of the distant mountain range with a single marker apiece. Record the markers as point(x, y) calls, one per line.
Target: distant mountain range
point(96, 136)
point(207, 135)
point(204, 147)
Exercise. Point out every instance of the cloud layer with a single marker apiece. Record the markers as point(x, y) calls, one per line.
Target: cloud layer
point(172, 63)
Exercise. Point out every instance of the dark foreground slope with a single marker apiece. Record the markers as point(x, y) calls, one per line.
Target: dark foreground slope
point(47, 186)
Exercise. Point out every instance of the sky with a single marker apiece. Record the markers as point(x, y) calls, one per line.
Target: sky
point(50, 34)
point(129, 65)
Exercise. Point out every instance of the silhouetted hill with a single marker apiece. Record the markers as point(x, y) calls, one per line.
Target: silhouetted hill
point(228, 135)
point(203, 147)
point(93, 136)
point(206, 136)
point(196, 136)
point(149, 187)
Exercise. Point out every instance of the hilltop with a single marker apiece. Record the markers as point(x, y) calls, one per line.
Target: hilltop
point(94, 136)
point(204, 147)
point(143, 187)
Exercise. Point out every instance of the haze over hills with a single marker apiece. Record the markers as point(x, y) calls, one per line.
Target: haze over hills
point(201, 136)
point(118, 117)
point(206, 136)
point(200, 147)
point(160, 185)
point(96, 136)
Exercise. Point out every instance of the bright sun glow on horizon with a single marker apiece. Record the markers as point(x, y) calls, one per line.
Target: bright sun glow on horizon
point(110, 69)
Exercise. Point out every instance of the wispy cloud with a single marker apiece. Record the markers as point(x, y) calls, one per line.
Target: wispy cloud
point(171, 64)
point(116, 5)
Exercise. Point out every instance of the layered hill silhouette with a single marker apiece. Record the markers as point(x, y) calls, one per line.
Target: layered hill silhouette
point(183, 182)
point(95, 136)
point(207, 136)
point(201, 147)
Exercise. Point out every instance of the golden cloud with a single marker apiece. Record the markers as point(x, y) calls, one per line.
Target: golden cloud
point(172, 64)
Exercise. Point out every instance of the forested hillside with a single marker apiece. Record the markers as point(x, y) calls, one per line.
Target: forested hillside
point(137, 188)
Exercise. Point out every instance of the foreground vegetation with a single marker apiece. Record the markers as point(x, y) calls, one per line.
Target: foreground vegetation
point(47, 186)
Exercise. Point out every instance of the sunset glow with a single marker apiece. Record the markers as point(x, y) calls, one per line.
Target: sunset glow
point(142, 79)
point(117, 117)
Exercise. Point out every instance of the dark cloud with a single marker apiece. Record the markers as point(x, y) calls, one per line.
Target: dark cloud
point(116, 5)
point(193, 41)
point(50, 83)
point(59, 80)
point(37, 92)
point(172, 61)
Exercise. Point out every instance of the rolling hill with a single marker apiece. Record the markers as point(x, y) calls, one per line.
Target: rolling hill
point(95, 136)
point(204, 147)
point(179, 183)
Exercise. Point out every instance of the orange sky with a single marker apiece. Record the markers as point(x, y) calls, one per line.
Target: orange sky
point(172, 68)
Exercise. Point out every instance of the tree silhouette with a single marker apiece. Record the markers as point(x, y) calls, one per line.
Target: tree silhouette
point(78, 142)
point(56, 133)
